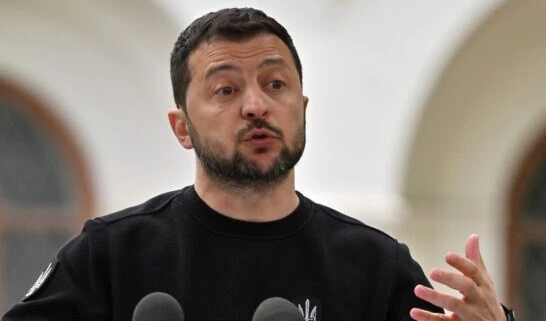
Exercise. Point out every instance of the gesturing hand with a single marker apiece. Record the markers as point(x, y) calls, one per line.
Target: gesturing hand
point(478, 302)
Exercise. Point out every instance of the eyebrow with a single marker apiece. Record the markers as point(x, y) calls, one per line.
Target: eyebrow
point(273, 62)
point(216, 69)
point(228, 67)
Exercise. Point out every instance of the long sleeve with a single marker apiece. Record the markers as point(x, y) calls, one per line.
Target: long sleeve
point(408, 275)
point(74, 287)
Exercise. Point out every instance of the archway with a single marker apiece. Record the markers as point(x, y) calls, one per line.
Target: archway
point(486, 107)
point(45, 190)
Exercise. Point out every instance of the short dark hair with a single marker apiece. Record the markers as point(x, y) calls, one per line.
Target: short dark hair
point(231, 24)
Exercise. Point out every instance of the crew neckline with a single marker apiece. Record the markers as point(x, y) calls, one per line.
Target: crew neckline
point(227, 226)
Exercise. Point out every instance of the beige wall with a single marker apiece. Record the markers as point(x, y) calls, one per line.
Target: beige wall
point(487, 107)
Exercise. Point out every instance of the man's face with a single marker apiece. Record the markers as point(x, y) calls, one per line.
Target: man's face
point(246, 110)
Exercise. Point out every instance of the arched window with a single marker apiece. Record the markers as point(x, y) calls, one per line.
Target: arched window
point(527, 235)
point(45, 193)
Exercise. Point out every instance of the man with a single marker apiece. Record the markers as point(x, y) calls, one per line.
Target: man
point(242, 233)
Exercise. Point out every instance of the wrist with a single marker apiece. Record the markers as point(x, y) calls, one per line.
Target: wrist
point(509, 313)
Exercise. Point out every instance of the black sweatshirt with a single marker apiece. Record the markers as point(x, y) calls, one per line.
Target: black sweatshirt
point(219, 268)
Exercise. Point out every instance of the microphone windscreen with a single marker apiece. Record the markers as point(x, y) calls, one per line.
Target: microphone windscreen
point(277, 309)
point(158, 306)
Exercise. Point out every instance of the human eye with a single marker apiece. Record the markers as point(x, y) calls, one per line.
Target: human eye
point(225, 91)
point(277, 84)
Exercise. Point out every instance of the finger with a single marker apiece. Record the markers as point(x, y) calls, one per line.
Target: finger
point(472, 250)
point(442, 300)
point(467, 267)
point(456, 281)
point(423, 315)
point(455, 317)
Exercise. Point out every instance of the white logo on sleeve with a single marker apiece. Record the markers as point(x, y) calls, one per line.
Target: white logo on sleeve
point(41, 279)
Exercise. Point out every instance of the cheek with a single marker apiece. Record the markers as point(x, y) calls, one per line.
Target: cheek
point(294, 123)
point(210, 121)
point(219, 130)
point(297, 115)
point(223, 123)
point(296, 104)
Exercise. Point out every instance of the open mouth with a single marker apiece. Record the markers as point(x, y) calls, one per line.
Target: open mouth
point(259, 135)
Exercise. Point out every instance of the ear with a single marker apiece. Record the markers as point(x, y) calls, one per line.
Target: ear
point(179, 125)
point(305, 102)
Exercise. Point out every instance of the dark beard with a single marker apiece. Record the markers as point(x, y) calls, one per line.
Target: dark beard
point(239, 172)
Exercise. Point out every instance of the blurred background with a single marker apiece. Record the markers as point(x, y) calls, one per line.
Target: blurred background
point(427, 119)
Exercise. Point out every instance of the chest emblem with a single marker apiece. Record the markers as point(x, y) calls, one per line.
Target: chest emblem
point(309, 308)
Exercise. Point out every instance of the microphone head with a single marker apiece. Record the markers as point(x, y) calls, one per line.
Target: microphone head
point(277, 309)
point(158, 306)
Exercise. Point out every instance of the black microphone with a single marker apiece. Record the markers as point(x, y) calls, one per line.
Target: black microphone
point(277, 309)
point(158, 306)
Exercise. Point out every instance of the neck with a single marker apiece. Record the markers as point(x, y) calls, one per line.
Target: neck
point(248, 204)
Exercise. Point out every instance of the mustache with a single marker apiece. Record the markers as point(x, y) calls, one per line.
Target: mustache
point(259, 124)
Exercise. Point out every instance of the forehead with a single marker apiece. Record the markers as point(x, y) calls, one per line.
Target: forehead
point(247, 51)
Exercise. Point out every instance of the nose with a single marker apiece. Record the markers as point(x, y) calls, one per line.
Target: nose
point(254, 105)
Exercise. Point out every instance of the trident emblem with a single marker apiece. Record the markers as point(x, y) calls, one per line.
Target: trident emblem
point(308, 315)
